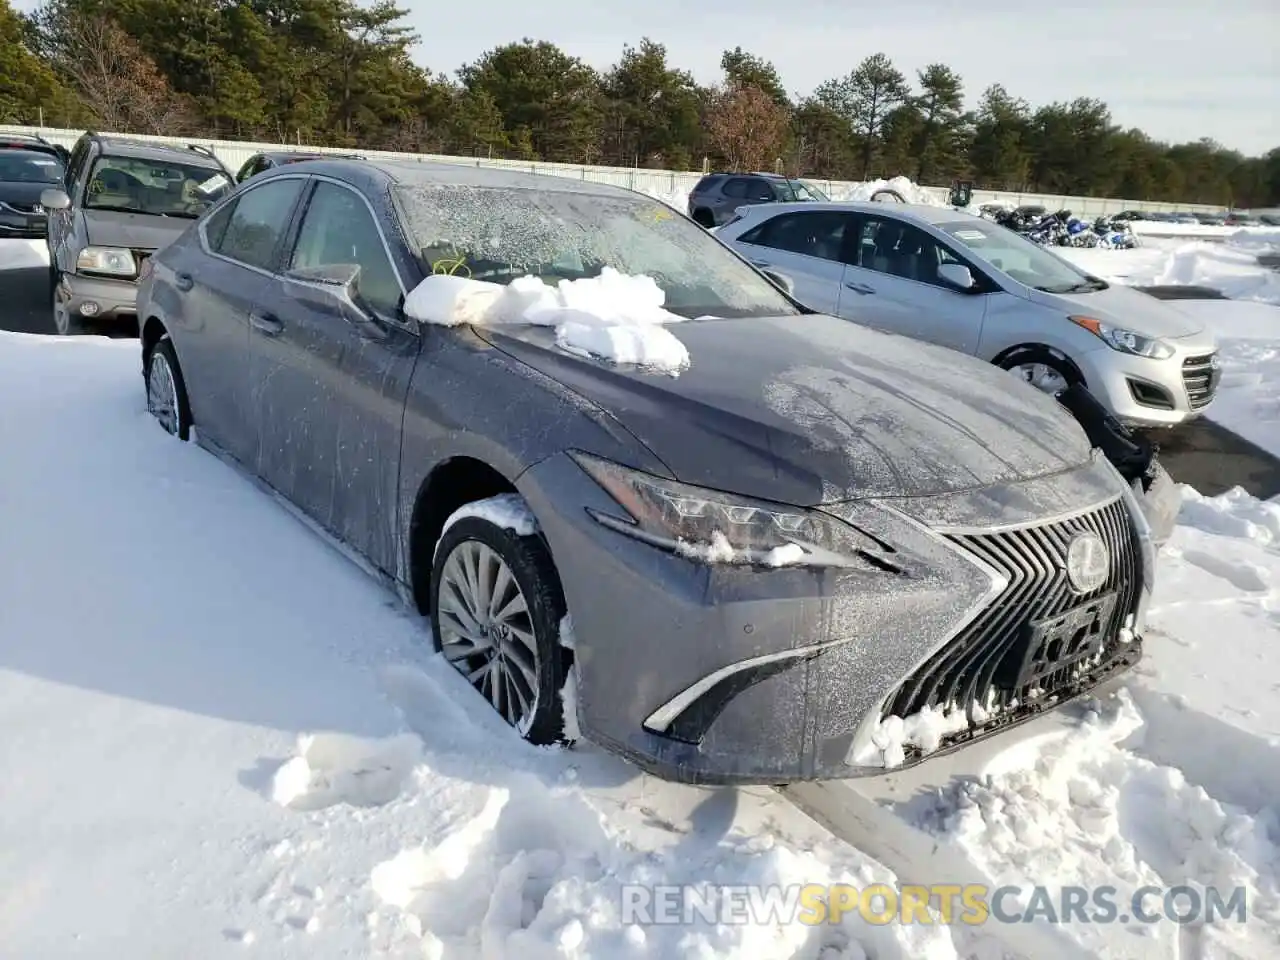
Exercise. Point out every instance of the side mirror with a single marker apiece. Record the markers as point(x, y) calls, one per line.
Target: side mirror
point(54, 199)
point(781, 281)
point(340, 283)
point(956, 275)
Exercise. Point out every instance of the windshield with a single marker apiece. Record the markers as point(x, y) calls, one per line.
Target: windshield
point(498, 234)
point(1018, 257)
point(160, 187)
point(29, 166)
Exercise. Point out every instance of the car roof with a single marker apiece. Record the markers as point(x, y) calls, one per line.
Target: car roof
point(35, 150)
point(918, 213)
point(435, 173)
point(145, 150)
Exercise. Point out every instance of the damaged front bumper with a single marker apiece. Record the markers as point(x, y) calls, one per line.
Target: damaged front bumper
point(725, 674)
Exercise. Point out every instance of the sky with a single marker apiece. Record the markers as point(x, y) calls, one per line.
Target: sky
point(1178, 69)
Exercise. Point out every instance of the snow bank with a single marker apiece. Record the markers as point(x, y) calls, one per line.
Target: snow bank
point(613, 316)
point(910, 192)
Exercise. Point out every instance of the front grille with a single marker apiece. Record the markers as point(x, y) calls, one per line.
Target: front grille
point(989, 669)
point(1201, 378)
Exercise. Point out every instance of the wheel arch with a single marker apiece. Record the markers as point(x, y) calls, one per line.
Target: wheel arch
point(1004, 356)
point(150, 333)
point(450, 484)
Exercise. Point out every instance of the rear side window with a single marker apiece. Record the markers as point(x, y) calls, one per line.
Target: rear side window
point(818, 234)
point(737, 188)
point(706, 184)
point(259, 220)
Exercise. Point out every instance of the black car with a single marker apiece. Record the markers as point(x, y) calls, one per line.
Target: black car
point(717, 195)
point(30, 141)
point(24, 175)
point(270, 159)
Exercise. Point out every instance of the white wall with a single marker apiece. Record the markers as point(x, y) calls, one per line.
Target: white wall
point(672, 185)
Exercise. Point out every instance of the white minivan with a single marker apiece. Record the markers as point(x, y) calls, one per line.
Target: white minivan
point(954, 279)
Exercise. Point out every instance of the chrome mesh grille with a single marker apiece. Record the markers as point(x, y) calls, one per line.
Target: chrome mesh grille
point(984, 663)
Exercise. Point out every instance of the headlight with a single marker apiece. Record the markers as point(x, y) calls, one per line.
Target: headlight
point(1126, 341)
point(112, 260)
point(720, 527)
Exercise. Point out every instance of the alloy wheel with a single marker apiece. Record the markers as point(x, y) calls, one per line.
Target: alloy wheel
point(487, 631)
point(162, 393)
point(1041, 376)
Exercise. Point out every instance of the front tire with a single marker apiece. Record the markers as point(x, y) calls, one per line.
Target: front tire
point(496, 607)
point(1043, 369)
point(167, 391)
point(64, 324)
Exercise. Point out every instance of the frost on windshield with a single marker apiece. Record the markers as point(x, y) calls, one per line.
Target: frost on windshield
point(611, 316)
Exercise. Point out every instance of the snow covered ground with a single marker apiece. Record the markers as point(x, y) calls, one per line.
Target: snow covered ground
point(221, 739)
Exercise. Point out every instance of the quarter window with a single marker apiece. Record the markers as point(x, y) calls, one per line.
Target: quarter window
point(259, 220)
point(338, 229)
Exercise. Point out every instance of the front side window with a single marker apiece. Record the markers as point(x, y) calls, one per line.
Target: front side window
point(158, 187)
point(498, 234)
point(890, 246)
point(1018, 257)
point(257, 223)
point(338, 229)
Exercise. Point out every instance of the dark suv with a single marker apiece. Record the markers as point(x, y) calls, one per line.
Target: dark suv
point(717, 195)
point(121, 201)
point(269, 160)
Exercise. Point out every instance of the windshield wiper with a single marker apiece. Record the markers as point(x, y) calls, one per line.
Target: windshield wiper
point(1084, 286)
point(114, 208)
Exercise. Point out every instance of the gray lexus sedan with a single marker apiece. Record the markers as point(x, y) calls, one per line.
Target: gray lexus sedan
point(816, 551)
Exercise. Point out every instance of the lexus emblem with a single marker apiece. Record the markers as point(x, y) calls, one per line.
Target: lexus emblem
point(1088, 563)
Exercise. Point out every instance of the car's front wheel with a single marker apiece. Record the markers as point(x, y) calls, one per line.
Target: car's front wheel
point(64, 323)
point(1043, 369)
point(167, 391)
point(495, 613)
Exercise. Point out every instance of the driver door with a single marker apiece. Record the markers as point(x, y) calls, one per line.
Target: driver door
point(329, 387)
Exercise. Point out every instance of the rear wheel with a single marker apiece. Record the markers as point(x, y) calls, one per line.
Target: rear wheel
point(495, 613)
point(703, 217)
point(166, 390)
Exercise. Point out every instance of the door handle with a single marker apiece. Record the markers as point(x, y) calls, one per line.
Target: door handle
point(860, 288)
point(266, 323)
point(183, 281)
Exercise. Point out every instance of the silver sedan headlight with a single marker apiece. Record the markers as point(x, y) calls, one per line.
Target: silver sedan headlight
point(718, 527)
point(1126, 341)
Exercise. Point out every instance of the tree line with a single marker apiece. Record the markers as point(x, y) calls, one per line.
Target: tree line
point(339, 73)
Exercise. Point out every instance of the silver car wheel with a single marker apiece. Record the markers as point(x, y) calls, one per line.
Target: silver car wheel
point(1041, 376)
point(487, 633)
point(162, 393)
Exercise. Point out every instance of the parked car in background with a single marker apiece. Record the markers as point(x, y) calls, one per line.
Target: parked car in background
point(24, 176)
point(717, 195)
point(1269, 219)
point(120, 202)
point(1130, 215)
point(1187, 219)
point(1238, 218)
point(269, 160)
point(898, 528)
point(33, 142)
point(976, 287)
point(1210, 219)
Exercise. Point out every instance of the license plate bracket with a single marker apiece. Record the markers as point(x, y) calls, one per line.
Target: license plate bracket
point(1058, 643)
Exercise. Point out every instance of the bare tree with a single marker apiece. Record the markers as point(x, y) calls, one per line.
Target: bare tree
point(748, 127)
point(119, 83)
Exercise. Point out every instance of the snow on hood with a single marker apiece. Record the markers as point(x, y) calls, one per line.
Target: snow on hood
point(614, 316)
point(1127, 308)
point(812, 409)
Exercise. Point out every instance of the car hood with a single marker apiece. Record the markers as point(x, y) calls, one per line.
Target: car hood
point(811, 409)
point(1125, 307)
point(20, 191)
point(137, 231)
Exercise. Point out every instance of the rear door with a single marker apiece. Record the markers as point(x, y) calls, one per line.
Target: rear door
point(219, 280)
point(329, 384)
point(891, 282)
point(806, 246)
